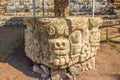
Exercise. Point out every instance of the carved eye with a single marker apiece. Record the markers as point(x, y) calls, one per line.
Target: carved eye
point(51, 31)
point(63, 43)
point(57, 44)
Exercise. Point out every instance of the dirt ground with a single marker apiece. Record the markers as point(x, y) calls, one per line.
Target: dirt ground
point(107, 65)
point(18, 66)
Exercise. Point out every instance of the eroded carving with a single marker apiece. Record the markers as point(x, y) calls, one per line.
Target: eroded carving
point(63, 43)
point(76, 42)
point(94, 34)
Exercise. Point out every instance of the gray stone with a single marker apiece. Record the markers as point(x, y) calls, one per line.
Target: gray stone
point(37, 69)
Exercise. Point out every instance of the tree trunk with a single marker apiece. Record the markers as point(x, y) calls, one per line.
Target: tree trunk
point(61, 7)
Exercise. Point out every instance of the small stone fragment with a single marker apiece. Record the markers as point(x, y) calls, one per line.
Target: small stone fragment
point(37, 69)
point(45, 70)
point(75, 69)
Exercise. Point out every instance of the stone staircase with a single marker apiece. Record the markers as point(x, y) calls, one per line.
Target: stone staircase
point(117, 3)
point(117, 11)
point(110, 22)
point(116, 6)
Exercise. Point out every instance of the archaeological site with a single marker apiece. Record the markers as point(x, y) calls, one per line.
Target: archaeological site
point(59, 39)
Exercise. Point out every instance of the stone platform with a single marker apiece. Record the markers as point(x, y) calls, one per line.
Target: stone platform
point(62, 45)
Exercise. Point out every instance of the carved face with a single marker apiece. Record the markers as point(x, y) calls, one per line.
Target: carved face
point(58, 44)
point(59, 47)
point(61, 42)
point(76, 49)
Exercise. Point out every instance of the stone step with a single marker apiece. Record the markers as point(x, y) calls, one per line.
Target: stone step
point(109, 22)
point(117, 39)
point(117, 12)
point(115, 36)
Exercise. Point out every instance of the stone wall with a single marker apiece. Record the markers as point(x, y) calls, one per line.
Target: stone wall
point(114, 3)
point(3, 4)
point(27, 5)
point(8, 21)
point(17, 6)
point(85, 6)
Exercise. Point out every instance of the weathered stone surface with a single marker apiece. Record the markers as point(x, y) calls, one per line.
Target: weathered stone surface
point(81, 6)
point(37, 69)
point(11, 21)
point(63, 43)
point(75, 69)
point(58, 74)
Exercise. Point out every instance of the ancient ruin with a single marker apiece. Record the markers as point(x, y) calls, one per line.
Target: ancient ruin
point(62, 47)
point(11, 7)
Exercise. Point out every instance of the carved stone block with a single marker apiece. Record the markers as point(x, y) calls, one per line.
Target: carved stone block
point(63, 44)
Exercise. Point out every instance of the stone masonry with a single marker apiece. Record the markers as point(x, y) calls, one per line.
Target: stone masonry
point(101, 6)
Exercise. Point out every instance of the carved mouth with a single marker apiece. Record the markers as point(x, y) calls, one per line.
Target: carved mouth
point(60, 52)
point(76, 50)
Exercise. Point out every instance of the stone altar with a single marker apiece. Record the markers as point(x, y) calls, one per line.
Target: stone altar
point(62, 45)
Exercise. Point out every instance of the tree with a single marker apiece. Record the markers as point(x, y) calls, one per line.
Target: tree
point(61, 7)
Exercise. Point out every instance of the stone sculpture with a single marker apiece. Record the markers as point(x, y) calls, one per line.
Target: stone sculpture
point(62, 45)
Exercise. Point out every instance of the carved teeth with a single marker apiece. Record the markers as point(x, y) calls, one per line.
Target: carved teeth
point(62, 61)
point(60, 52)
point(56, 62)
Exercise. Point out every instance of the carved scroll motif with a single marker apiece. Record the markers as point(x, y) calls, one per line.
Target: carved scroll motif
point(94, 34)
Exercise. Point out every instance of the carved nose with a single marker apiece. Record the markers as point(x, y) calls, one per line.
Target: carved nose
point(60, 45)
